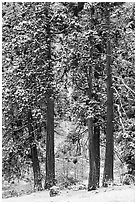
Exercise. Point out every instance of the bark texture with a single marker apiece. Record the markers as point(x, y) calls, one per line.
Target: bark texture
point(108, 168)
point(94, 158)
point(96, 142)
point(50, 160)
point(34, 154)
point(36, 168)
point(93, 173)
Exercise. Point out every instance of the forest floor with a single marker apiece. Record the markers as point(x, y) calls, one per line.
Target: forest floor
point(125, 193)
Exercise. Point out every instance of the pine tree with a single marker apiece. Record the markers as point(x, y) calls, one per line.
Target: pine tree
point(109, 157)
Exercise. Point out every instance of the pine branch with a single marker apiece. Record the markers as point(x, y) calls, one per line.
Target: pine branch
point(125, 85)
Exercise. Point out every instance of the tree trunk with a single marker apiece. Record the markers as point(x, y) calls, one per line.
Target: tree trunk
point(94, 151)
point(34, 155)
point(50, 159)
point(108, 168)
point(36, 168)
point(93, 180)
point(96, 142)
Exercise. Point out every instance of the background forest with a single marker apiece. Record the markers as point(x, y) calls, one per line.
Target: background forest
point(68, 94)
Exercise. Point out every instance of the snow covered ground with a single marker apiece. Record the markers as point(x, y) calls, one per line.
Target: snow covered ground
point(111, 194)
